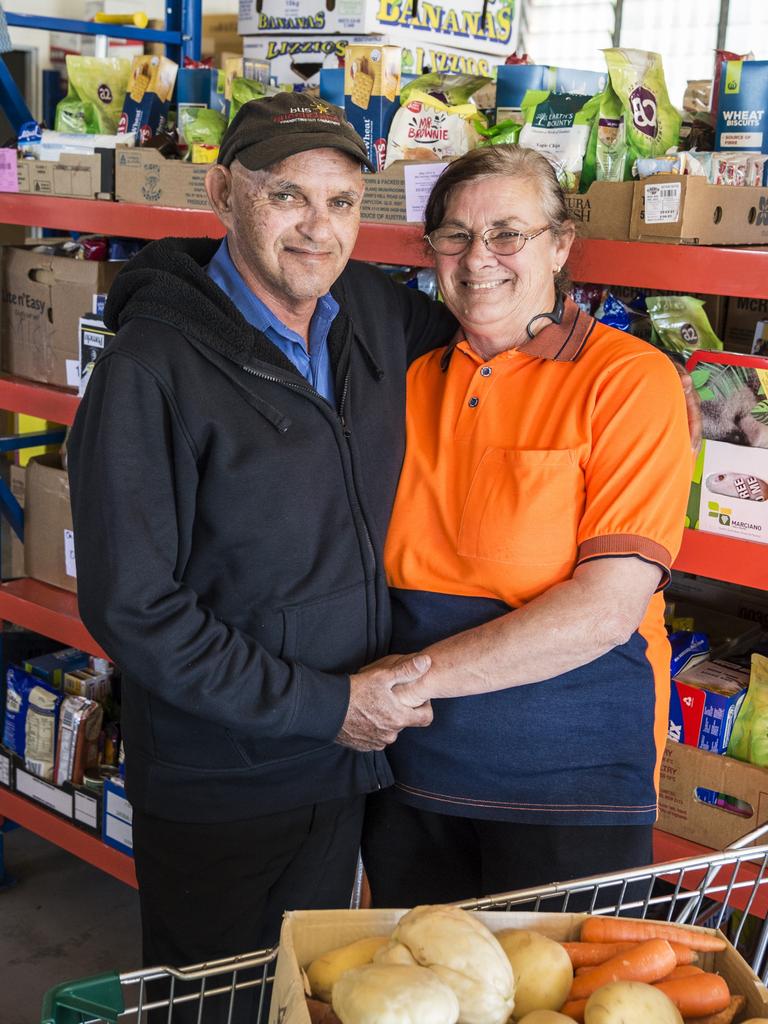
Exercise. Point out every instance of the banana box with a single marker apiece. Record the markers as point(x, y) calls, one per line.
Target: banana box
point(145, 109)
point(371, 95)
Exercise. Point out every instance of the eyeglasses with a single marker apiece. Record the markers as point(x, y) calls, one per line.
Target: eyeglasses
point(500, 241)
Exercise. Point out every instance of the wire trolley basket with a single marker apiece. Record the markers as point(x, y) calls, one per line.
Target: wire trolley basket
point(716, 890)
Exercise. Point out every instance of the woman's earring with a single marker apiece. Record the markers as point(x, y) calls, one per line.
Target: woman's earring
point(557, 270)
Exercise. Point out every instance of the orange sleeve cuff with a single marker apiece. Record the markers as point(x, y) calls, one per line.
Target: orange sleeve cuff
point(627, 544)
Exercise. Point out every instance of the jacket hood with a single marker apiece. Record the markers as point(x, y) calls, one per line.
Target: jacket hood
point(167, 281)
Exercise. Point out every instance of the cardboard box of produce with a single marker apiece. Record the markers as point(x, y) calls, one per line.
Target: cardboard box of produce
point(144, 176)
point(682, 208)
point(483, 27)
point(41, 300)
point(49, 553)
point(741, 318)
point(684, 770)
point(603, 211)
point(73, 175)
point(398, 194)
point(11, 548)
point(298, 60)
point(307, 934)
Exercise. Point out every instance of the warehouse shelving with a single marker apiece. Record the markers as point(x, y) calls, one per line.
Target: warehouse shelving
point(740, 272)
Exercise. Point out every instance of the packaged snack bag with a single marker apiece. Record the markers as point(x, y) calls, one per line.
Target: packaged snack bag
point(607, 155)
point(681, 325)
point(504, 133)
point(145, 108)
point(652, 123)
point(749, 738)
point(428, 129)
point(94, 100)
point(243, 90)
point(201, 126)
point(558, 125)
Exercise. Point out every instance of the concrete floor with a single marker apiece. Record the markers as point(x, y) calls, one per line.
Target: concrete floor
point(62, 920)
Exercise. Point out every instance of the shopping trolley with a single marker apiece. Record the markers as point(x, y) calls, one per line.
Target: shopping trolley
point(719, 889)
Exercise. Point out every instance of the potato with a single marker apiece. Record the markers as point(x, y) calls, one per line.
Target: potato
point(325, 971)
point(393, 994)
point(542, 969)
point(545, 1017)
point(630, 1002)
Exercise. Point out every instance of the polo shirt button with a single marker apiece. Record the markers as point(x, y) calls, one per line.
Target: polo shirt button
point(473, 402)
point(485, 371)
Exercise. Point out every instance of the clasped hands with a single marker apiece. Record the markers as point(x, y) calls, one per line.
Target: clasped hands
point(383, 700)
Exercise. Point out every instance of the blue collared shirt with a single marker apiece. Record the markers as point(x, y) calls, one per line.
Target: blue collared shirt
point(314, 365)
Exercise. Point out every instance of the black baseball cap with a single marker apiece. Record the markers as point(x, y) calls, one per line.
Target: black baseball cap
point(268, 130)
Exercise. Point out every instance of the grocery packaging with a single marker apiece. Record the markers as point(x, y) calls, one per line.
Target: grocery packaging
point(51, 668)
point(749, 739)
point(94, 102)
point(607, 155)
point(733, 391)
point(77, 749)
point(704, 702)
point(651, 122)
point(558, 125)
point(742, 116)
point(145, 108)
point(41, 729)
point(371, 91)
point(425, 128)
point(514, 80)
point(681, 325)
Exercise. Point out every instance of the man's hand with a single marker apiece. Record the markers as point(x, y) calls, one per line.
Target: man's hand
point(375, 714)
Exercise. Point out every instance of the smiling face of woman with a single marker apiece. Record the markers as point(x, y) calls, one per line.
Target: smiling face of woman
point(494, 297)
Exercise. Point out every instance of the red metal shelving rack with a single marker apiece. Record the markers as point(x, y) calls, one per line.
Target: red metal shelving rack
point(741, 272)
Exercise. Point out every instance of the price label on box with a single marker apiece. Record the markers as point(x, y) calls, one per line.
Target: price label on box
point(662, 203)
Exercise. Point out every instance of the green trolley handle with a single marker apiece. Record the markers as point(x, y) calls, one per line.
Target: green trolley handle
point(97, 998)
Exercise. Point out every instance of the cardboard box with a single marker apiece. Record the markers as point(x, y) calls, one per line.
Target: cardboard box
point(41, 300)
point(741, 319)
point(73, 175)
point(79, 805)
point(742, 106)
point(683, 208)
point(685, 811)
point(398, 194)
point(452, 24)
point(49, 552)
point(721, 469)
point(307, 934)
point(298, 60)
point(514, 80)
point(12, 551)
point(704, 702)
point(603, 211)
point(144, 176)
point(52, 667)
point(372, 95)
point(117, 817)
point(219, 35)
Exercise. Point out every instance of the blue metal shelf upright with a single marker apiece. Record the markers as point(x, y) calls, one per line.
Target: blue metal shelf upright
point(181, 37)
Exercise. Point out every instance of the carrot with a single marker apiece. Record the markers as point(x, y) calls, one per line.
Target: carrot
point(683, 971)
point(649, 961)
point(627, 929)
point(698, 995)
point(574, 1008)
point(588, 954)
point(726, 1016)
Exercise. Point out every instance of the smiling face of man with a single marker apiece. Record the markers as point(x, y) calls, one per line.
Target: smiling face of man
point(292, 226)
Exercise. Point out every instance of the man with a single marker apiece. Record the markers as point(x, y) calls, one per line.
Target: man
point(233, 467)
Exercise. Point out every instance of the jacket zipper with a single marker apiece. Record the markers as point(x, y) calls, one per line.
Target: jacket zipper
point(347, 434)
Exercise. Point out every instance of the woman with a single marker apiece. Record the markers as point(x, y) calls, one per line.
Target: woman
point(539, 509)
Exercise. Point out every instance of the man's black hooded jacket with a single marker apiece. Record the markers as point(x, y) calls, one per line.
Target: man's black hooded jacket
point(229, 526)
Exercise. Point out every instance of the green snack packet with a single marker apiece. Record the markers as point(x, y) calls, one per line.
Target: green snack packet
point(246, 89)
point(749, 737)
point(451, 89)
point(652, 123)
point(202, 125)
point(505, 133)
point(94, 101)
point(607, 156)
point(680, 324)
point(558, 125)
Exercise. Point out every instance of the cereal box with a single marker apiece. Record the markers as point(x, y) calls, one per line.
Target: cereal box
point(371, 94)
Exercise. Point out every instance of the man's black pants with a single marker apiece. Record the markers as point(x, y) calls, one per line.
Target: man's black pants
point(413, 856)
point(216, 890)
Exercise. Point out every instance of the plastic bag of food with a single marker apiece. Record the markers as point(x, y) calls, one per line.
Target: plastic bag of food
point(558, 125)
point(680, 324)
point(607, 154)
point(504, 133)
point(246, 89)
point(94, 101)
point(749, 737)
point(451, 89)
point(202, 126)
point(652, 123)
point(428, 129)
point(615, 313)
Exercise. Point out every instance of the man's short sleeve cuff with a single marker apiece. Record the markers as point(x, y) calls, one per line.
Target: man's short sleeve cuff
point(627, 544)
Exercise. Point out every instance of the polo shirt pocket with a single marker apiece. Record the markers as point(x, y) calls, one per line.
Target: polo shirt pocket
point(523, 507)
